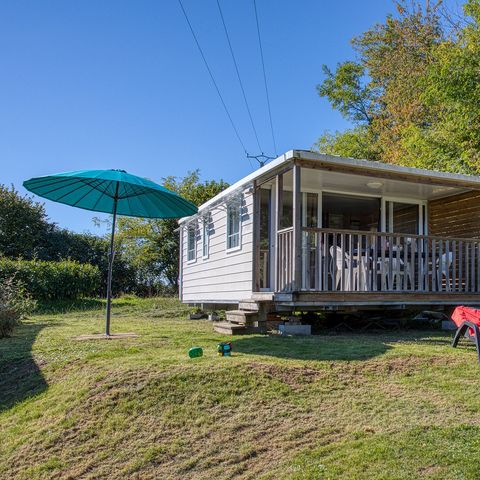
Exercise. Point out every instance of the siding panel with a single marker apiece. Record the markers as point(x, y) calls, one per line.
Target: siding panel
point(223, 276)
point(455, 216)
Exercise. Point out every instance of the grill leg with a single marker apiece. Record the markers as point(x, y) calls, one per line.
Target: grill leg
point(476, 335)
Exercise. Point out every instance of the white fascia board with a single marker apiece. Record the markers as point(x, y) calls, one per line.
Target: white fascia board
point(241, 184)
point(385, 167)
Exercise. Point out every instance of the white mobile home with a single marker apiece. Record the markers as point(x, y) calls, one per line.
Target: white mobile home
point(315, 231)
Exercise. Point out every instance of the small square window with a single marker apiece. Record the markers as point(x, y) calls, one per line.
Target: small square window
point(233, 226)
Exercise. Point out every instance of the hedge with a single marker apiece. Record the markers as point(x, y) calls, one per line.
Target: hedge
point(15, 303)
point(52, 280)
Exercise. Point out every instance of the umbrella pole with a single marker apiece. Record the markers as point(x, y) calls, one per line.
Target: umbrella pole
point(110, 266)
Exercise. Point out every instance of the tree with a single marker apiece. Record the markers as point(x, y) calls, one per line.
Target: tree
point(413, 94)
point(26, 232)
point(146, 253)
point(152, 245)
point(452, 92)
point(23, 224)
point(347, 91)
point(355, 143)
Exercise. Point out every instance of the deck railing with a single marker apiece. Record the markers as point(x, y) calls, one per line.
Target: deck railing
point(285, 259)
point(359, 261)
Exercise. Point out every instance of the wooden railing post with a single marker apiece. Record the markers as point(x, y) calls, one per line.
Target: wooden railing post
point(356, 261)
point(256, 238)
point(277, 218)
point(297, 228)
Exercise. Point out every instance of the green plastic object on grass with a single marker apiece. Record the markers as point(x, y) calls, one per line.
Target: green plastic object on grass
point(195, 352)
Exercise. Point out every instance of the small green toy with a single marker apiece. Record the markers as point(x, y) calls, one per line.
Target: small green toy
point(224, 349)
point(195, 352)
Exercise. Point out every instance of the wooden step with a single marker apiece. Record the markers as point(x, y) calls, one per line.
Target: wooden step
point(262, 296)
point(243, 317)
point(228, 328)
point(248, 305)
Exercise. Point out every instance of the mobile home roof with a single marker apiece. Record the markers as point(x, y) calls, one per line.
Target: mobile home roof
point(431, 175)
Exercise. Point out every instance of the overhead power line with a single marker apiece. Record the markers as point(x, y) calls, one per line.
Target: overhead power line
point(212, 78)
point(265, 77)
point(238, 76)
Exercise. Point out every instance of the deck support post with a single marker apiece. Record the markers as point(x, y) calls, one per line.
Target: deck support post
point(277, 218)
point(256, 238)
point(297, 228)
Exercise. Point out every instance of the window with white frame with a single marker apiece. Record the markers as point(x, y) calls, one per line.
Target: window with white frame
point(191, 243)
point(404, 217)
point(233, 226)
point(205, 237)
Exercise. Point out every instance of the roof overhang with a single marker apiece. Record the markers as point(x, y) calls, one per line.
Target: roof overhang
point(339, 164)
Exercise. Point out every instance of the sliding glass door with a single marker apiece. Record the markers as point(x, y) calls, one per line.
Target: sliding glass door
point(350, 212)
point(403, 217)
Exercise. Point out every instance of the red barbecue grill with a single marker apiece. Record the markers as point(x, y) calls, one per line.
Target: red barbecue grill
point(467, 321)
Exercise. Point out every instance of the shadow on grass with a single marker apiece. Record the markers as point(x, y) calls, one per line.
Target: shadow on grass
point(20, 375)
point(315, 347)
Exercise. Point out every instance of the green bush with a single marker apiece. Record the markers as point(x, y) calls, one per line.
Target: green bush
point(15, 303)
point(52, 280)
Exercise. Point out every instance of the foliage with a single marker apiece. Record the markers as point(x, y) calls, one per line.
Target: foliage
point(52, 280)
point(413, 93)
point(152, 246)
point(146, 252)
point(94, 250)
point(15, 303)
point(452, 92)
point(354, 143)
point(348, 93)
point(23, 224)
point(25, 232)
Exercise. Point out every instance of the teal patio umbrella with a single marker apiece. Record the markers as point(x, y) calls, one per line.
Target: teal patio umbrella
point(115, 192)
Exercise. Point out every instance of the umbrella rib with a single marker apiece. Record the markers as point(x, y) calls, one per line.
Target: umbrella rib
point(84, 182)
point(70, 192)
point(105, 191)
point(95, 183)
point(85, 194)
point(102, 193)
point(99, 198)
point(50, 180)
point(59, 186)
point(129, 204)
point(165, 199)
point(143, 200)
point(134, 194)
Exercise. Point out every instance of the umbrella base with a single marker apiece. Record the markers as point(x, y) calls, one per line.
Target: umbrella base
point(102, 336)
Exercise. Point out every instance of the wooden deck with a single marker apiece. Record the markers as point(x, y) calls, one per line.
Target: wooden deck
point(339, 300)
point(346, 269)
point(314, 267)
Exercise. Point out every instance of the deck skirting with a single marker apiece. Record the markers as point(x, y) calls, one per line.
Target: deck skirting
point(371, 299)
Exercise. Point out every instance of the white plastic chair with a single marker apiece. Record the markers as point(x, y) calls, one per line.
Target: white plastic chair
point(399, 275)
point(444, 264)
point(342, 264)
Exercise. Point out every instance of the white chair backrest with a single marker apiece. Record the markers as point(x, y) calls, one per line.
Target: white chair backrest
point(340, 262)
point(445, 261)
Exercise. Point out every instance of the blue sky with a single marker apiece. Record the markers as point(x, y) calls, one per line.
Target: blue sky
point(120, 84)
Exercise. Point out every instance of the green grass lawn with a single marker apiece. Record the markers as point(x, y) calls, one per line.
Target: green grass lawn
point(396, 405)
